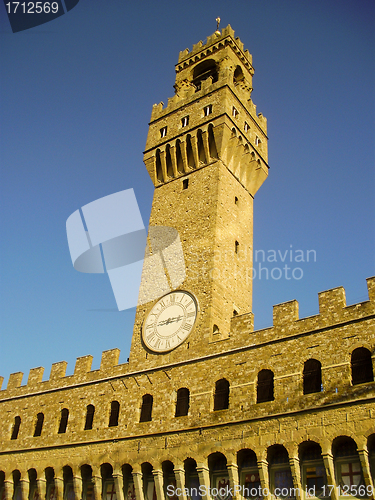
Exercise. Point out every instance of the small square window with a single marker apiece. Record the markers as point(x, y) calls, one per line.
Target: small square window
point(246, 127)
point(235, 112)
point(207, 110)
point(185, 183)
point(185, 121)
point(163, 132)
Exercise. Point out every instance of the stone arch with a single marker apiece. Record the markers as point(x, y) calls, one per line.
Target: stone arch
point(204, 70)
point(246, 458)
point(346, 461)
point(238, 75)
point(371, 454)
point(217, 461)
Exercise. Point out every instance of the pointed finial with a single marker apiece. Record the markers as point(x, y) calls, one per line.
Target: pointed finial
point(217, 32)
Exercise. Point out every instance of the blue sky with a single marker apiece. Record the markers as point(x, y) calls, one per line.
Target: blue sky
point(75, 101)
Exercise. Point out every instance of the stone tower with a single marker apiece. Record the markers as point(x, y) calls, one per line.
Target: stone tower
point(206, 153)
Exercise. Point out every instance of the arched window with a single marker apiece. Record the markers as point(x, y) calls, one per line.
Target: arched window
point(182, 404)
point(312, 376)
point(39, 424)
point(90, 411)
point(115, 411)
point(63, 420)
point(361, 366)
point(238, 75)
point(265, 386)
point(16, 427)
point(221, 400)
point(203, 71)
point(146, 410)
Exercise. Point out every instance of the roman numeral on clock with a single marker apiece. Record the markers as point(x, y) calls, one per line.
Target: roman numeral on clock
point(187, 327)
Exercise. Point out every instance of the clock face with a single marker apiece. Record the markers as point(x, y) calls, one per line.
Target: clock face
point(170, 321)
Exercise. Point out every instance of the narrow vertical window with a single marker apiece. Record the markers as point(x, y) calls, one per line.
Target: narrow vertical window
point(183, 401)
point(235, 200)
point(257, 141)
point(39, 424)
point(312, 376)
point(221, 399)
point(246, 127)
point(265, 386)
point(236, 246)
point(361, 366)
point(185, 183)
point(146, 409)
point(185, 121)
point(16, 427)
point(207, 110)
point(115, 411)
point(235, 113)
point(163, 132)
point(90, 411)
point(63, 421)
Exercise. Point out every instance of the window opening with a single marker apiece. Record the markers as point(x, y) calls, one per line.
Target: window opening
point(246, 127)
point(265, 386)
point(207, 110)
point(146, 410)
point(63, 421)
point(361, 366)
point(185, 183)
point(185, 121)
point(221, 399)
point(39, 424)
point(163, 132)
point(115, 411)
point(312, 376)
point(235, 112)
point(16, 427)
point(182, 404)
point(89, 417)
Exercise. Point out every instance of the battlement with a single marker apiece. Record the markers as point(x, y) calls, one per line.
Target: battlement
point(213, 52)
point(333, 311)
point(226, 33)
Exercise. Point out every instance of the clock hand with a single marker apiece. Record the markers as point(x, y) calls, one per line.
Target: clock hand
point(170, 320)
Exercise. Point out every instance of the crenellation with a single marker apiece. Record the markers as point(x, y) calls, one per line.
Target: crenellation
point(82, 367)
point(58, 371)
point(35, 376)
point(15, 380)
point(285, 313)
point(371, 288)
point(331, 303)
point(109, 359)
point(225, 394)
